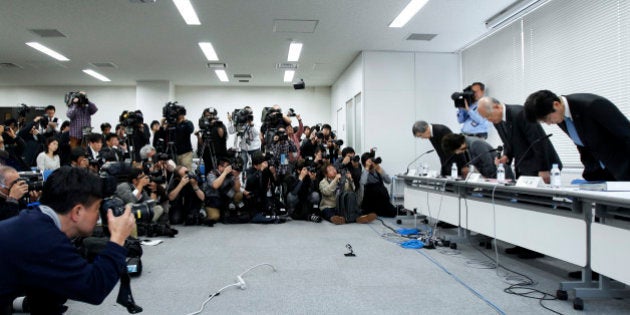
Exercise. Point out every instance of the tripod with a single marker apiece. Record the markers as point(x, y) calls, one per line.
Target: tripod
point(170, 149)
point(209, 145)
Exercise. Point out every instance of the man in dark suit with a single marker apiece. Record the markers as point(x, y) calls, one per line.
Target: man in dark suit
point(523, 142)
point(597, 127)
point(475, 151)
point(435, 133)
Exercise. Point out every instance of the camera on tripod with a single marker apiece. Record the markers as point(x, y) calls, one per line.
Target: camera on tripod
point(467, 95)
point(171, 111)
point(208, 119)
point(271, 116)
point(76, 98)
point(241, 118)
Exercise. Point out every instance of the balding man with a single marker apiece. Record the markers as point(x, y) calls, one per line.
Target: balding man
point(523, 142)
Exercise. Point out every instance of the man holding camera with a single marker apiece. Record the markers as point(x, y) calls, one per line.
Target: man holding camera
point(135, 191)
point(39, 259)
point(211, 138)
point(49, 123)
point(11, 192)
point(243, 126)
point(303, 198)
point(375, 195)
point(283, 153)
point(350, 162)
point(80, 111)
point(223, 195)
point(185, 196)
point(473, 124)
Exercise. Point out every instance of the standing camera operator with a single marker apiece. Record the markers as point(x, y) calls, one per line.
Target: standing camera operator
point(183, 129)
point(211, 138)
point(137, 131)
point(283, 158)
point(39, 259)
point(241, 122)
point(473, 124)
point(272, 119)
point(80, 111)
point(185, 196)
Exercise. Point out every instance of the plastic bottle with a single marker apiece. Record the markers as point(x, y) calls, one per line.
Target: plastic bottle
point(454, 171)
point(556, 180)
point(500, 174)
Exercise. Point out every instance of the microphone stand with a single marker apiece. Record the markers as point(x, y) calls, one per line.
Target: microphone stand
point(421, 155)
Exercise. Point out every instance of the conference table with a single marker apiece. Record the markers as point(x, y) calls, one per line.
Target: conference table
point(590, 229)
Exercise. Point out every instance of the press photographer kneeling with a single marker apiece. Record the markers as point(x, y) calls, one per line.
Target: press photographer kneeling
point(38, 257)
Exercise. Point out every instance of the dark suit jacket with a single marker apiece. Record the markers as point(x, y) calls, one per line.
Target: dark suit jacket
point(518, 135)
point(605, 133)
point(439, 131)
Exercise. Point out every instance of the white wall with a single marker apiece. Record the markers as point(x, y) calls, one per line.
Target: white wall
point(349, 84)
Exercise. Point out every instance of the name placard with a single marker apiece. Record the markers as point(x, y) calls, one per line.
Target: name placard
point(530, 182)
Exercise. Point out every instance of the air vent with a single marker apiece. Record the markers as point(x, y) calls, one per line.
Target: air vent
point(48, 33)
point(425, 37)
point(105, 65)
point(287, 66)
point(9, 65)
point(217, 65)
point(142, 1)
point(242, 76)
point(294, 26)
point(243, 81)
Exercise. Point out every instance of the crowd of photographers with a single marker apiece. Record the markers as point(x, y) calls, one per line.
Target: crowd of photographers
point(273, 172)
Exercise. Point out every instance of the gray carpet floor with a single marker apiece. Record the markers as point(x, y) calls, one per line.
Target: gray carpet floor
point(314, 277)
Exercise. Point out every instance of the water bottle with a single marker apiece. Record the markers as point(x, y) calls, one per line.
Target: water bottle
point(500, 174)
point(202, 170)
point(454, 171)
point(556, 180)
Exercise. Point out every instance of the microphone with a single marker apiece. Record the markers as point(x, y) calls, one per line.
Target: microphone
point(421, 155)
point(499, 151)
point(476, 158)
point(529, 148)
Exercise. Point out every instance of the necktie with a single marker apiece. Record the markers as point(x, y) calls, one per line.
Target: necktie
point(573, 132)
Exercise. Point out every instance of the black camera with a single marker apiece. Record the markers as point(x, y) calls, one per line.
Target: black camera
point(291, 113)
point(76, 98)
point(282, 135)
point(171, 112)
point(130, 119)
point(459, 98)
point(23, 110)
point(163, 157)
point(356, 159)
point(241, 119)
point(143, 212)
point(271, 116)
point(338, 142)
point(34, 180)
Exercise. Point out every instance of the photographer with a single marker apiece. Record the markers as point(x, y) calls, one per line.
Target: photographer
point(13, 145)
point(111, 151)
point(80, 111)
point(135, 191)
point(256, 188)
point(329, 140)
point(33, 141)
point(136, 130)
point(296, 135)
point(45, 266)
point(282, 149)
point(49, 123)
point(473, 124)
point(349, 162)
point(211, 138)
point(303, 198)
point(11, 192)
point(241, 122)
point(335, 190)
point(78, 158)
point(309, 145)
point(373, 191)
point(273, 119)
point(183, 129)
point(185, 196)
point(223, 195)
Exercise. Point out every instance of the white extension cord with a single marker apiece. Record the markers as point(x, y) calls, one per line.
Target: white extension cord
point(240, 283)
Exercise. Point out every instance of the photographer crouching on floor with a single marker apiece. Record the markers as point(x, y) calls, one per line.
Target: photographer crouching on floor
point(223, 193)
point(185, 196)
point(38, 258)
point(373, 179)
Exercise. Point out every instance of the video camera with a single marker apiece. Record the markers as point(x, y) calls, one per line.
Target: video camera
point(271, 116)
point(459, 98)
point(171, 111)
point(34, 180)
point(23, 110)
point(282, 135)
point(241, 119)
point(130, 118)
point(76, 98)
point(207, 122)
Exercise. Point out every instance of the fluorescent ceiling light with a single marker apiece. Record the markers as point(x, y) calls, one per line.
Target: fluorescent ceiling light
point(96, 75)
point(294, 51)
point(408, 12)
point(187, 11)
point(208, 50)
point(222, 75)
point(48, 51)
point(288, 75)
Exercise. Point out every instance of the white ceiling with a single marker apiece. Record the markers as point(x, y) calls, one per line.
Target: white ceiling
point(152, 42)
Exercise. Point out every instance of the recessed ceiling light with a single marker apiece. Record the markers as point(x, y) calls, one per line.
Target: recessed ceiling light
point(288, 75)
point(96, 75)
point(208, 50)
point(408, 12)
point(187, 11)
point(294, 52)
point(48, 51)
point(222, 75)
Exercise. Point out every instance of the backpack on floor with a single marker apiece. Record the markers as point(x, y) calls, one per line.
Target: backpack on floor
point(348, 206)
